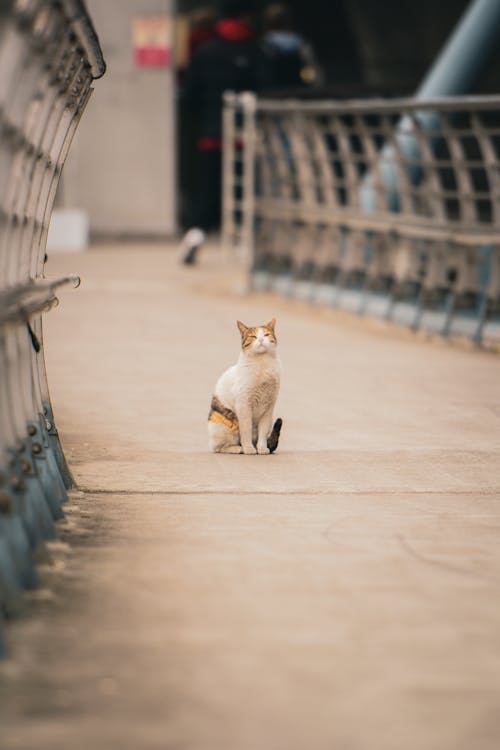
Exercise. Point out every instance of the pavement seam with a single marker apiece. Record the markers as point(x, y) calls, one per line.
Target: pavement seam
point(489, 491)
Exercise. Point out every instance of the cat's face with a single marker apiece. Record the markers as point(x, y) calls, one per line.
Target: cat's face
point(258, 339)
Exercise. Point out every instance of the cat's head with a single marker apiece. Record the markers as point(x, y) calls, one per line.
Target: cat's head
point(258, 339)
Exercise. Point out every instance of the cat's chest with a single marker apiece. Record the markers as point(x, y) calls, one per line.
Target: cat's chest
point(263, 395)
point(262, 387)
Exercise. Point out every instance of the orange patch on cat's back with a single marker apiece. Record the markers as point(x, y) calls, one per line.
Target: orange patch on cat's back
point(215, 416)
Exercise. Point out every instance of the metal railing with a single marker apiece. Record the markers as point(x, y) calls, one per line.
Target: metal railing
point(49, 56)
point(386, 208)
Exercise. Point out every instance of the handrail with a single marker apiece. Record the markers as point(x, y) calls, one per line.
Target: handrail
point(402, 105)
point(82, 25)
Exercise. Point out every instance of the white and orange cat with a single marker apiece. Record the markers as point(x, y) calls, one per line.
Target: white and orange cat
point(241, 412)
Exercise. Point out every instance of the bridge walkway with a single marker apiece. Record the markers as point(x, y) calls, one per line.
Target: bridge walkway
point(342, 593)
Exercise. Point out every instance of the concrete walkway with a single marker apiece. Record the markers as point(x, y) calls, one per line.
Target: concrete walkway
point(343, 594)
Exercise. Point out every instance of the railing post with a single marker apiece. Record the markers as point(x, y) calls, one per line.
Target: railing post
point(484, 272)
point(228, 170)
point(249, 109)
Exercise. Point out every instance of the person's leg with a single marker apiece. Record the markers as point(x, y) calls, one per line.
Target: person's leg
point(206, 208)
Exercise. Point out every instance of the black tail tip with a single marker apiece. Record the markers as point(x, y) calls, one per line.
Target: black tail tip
point(273, 439)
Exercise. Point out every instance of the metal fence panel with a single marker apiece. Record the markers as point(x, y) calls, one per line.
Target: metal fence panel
point(387, 208)
point(49, 57)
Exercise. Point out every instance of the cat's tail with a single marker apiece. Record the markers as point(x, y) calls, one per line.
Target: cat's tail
point(273, 439)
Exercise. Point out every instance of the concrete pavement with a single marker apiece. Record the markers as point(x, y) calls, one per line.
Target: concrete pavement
point(343, 593)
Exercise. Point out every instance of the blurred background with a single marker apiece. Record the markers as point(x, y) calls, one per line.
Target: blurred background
point(186, 601)
point(141, 138)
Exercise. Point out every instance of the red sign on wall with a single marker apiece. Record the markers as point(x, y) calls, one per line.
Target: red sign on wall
point(152, 41)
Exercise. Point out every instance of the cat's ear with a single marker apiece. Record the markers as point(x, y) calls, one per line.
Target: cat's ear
point(243, 328)
point(271, 324)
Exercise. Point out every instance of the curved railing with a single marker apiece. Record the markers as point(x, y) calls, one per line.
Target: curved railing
point(49, 56)
point(387, 208)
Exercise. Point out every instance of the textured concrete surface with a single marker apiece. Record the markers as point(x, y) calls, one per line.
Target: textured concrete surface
point(342, 594)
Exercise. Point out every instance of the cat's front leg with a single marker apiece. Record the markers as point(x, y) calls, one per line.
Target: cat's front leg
point(264, 428)
point(244, 414)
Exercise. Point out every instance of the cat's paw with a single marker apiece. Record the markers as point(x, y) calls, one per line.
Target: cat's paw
point(231, 449)
point(262, 450)
point(249, 450)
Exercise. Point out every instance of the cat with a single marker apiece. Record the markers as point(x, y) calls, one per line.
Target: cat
point(241, 412)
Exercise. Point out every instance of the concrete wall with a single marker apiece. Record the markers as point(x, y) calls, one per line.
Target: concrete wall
point(121, 168)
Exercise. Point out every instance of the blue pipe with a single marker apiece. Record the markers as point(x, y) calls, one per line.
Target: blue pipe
point(455, 71)
point(466, 53)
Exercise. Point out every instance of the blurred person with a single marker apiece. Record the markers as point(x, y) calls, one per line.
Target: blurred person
point(291, 58)
point(233, 60)
point(201, 27)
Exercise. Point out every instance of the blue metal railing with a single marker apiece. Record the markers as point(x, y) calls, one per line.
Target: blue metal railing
point(49, 57)
point(388, 208)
